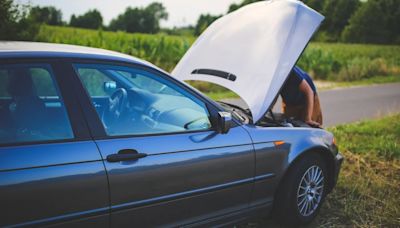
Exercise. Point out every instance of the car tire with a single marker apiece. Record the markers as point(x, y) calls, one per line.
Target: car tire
point(302, 192)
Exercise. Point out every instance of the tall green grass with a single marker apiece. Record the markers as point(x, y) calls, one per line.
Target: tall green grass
point(350, 62)
point(162, 50)
point(326, 61)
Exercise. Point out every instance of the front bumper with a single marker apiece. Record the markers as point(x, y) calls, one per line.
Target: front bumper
point(337, 165)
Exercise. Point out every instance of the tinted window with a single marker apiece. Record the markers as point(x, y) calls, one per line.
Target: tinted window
point(132, 101)
point(31, 108)
point(94, 80)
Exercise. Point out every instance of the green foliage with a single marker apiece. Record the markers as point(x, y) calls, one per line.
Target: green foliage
point(235, 6)
point(337, 14)
point(8, 18)
point(143, 20)
point(203, 22)
point(354, 21)
point(319, 63)
point(47, 15)
point(162, 50)
point(376, 21)
point(14, 24)
point(178, 31)
point(326, 61)
point(91, 19)
point(317, 5)
point(206, 19)
point(350, 62)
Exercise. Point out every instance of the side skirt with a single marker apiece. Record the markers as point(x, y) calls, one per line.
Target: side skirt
point(235, 217)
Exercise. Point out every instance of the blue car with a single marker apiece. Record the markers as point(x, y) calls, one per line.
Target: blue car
point(94, 138)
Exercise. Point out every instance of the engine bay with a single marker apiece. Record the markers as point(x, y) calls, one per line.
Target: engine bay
point(271, 119)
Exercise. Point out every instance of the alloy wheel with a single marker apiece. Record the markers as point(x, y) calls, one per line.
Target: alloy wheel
point(310, 190)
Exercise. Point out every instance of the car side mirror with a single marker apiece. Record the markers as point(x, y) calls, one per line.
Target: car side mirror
point(109, 86)
point(225, 122)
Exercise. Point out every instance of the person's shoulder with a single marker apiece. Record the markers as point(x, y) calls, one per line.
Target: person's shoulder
point(297, 74)
point(299, 71)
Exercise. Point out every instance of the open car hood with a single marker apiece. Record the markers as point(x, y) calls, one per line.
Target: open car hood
point(251, 51)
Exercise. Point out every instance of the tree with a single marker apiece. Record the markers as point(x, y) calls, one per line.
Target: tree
point(337, 14)
point(203, 22)
point(376, 21)
point(14, 24)
point(234, 6)
point(8, 14)
point(316, 4)
point(91, 19)
point(47, 15)
point(154, 13)
point(144, 20)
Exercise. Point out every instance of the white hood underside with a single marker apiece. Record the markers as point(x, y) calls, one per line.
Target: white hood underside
point(251, 51)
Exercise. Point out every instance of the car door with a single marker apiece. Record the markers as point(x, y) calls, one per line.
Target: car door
point(166, 163)
point(51, 172)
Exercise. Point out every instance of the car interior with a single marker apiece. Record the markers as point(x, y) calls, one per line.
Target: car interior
point(130, 102)
point(30, 108)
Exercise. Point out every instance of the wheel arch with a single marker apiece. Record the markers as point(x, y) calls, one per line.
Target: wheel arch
point(326, 155)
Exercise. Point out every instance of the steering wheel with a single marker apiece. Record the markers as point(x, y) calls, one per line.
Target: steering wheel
point(117, 105)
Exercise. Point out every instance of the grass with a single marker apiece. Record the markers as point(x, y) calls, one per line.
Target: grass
point(377, 137)
point(375, 80)
point(350, 62)
point(219, 95)
point(368, 190)
point(160, 49)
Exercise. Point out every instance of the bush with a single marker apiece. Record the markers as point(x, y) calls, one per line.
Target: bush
point(319, 63)
point(363, 68)
point(350, 62)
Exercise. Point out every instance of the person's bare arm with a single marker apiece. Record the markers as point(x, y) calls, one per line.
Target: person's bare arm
point(309, 95)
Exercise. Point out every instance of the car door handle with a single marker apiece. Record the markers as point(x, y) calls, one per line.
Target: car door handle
point(125, 155)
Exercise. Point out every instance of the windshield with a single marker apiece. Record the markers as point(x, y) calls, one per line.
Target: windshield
point(140, 81)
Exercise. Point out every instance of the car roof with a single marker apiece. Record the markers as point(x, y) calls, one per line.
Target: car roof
point(20, 49)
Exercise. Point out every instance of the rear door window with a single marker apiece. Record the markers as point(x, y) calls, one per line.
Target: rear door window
point(31, 107)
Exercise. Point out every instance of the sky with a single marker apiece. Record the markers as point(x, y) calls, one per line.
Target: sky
point(181, 12)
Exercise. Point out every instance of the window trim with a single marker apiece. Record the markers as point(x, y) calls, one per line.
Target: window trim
point(79, 132)
point(98, 131)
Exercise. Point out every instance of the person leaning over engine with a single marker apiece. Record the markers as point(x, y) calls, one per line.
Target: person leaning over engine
point(300, 99)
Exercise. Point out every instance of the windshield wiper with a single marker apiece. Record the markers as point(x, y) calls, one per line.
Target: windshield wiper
point(238, 114)
point(233, 106)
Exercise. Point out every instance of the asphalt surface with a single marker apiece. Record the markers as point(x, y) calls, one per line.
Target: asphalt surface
point(345, 105)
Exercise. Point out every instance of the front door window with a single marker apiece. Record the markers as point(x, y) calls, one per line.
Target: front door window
point(135, 102)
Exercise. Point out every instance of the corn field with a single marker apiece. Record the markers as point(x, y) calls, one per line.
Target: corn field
point(326, 61)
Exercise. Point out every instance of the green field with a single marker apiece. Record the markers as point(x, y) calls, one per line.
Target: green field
point(162, 50)
point(367, 193)
point(335, 62)
point(344, 64)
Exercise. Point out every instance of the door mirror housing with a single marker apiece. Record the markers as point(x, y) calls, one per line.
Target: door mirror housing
point(225, 122)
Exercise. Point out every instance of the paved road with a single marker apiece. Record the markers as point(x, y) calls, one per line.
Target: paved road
point(352, 104)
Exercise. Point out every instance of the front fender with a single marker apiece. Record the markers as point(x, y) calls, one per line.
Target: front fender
point(311, 140)
point(297, 143)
